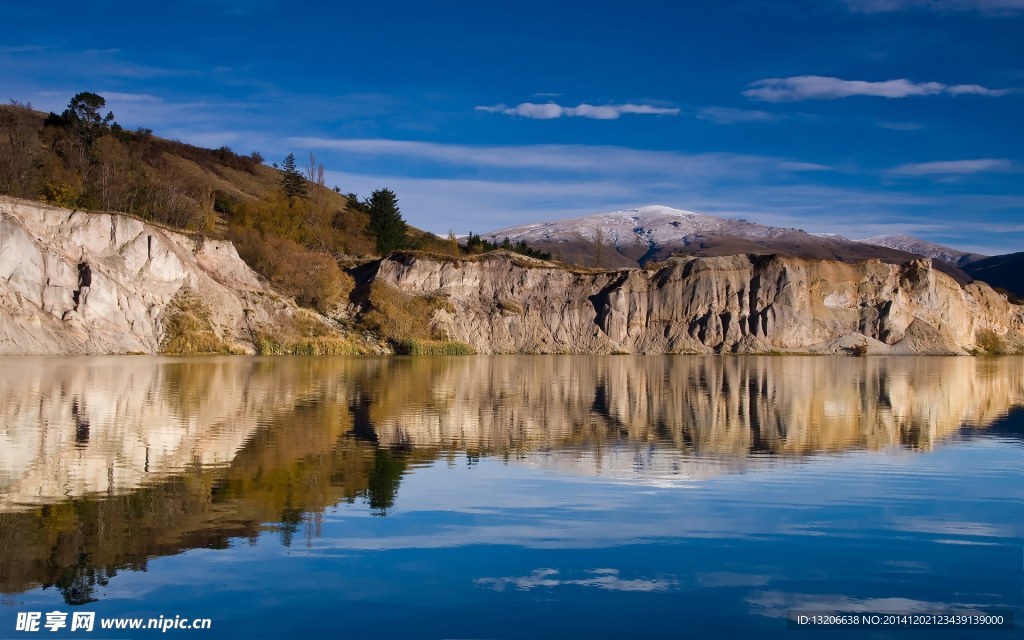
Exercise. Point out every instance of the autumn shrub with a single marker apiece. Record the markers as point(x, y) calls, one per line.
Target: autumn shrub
point(188, 327)
point(989, 342)
point(397, 316)
point(313, 278)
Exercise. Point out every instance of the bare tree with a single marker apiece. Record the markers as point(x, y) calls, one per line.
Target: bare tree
point(318, 219)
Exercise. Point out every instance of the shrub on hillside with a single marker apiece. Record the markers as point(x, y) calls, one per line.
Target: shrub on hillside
point(313, 278)
point(398, 316)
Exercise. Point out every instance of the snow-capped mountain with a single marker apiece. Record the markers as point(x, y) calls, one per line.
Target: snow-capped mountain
point(645, 234)
point(911, 244)
point(653, 225)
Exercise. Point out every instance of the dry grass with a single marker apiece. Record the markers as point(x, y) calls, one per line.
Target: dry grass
point(313, 278)
point(509, 306)
point(188, 328)
point(304, 335)
point(435, 348)
point(397, 316)
point(988, 342)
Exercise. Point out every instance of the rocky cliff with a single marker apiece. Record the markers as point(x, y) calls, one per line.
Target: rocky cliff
point(140, 274)
point(145, 278)
point(502, 303)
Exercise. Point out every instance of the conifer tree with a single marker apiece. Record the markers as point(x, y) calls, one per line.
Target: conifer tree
point(386, 220)
point(292, 182)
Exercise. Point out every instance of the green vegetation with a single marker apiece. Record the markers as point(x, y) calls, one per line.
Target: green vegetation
point(386, 221)
point(292, 183)
point(475, 245)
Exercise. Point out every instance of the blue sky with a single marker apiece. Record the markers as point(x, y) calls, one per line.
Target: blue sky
point(857, 117)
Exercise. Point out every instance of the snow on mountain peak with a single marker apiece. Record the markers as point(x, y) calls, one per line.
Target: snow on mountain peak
point(651, 224)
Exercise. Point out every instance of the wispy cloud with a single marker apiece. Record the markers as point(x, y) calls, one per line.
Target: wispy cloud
point(592, 159)
point(956, 167)
point(730, 115)
point(796, 88)
point(982, 6)
point(552, 110)
point(606, 579)
point(130, 97)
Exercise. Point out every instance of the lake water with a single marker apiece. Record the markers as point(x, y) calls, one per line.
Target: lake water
point(511, 496)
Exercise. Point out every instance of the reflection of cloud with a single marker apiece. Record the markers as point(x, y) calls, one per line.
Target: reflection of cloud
point(953, 528)
point(607, 579)
point(731, 579)
point(778, 604)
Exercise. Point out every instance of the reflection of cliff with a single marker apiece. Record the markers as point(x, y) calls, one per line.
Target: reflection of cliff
point(106, 463)
point(92, 426)
point(294, 414)
point(697, 405)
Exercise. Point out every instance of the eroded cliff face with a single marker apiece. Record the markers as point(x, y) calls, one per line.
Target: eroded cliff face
point(498, 303)
point(502, 303)
point(137, 270)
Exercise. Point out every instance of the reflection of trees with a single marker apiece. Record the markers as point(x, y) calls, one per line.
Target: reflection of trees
point(315, 432)
point(385, 476)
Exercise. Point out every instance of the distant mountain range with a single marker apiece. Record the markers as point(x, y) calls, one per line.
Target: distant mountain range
point(921, 247)
point(648, 234)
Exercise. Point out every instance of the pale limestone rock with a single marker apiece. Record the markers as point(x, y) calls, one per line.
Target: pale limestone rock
point(137, 269)
point(745, 304)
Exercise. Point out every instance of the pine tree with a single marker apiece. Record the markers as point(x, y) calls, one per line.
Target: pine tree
point(386, 220)
point(292, 182)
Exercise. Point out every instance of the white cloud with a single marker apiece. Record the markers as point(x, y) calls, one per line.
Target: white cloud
point(982, 6)
point(828, 88)
point(975, 89)
point(730, 115)
point(552, 110)
point(956, 167)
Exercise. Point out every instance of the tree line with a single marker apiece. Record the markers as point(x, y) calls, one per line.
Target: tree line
point(82, 158)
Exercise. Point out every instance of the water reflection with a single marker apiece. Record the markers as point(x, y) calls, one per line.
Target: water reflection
point(106, 463)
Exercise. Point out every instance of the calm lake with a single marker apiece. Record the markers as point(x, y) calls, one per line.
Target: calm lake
point(511, 496)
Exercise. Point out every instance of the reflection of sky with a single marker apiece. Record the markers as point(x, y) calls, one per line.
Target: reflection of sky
point(506, 550)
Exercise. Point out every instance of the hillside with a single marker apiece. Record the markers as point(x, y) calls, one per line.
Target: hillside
point(649, 234)
point(1003, 272)
point(83, 160)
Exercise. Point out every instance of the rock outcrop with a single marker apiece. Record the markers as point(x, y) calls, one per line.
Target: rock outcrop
point(142, 274)
point(137, 271)
point(502, 303)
